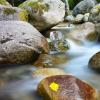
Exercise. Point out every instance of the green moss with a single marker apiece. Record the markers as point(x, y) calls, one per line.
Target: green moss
point(9, 11)
point(36, 6)
point(4, 2)
point(23, 15)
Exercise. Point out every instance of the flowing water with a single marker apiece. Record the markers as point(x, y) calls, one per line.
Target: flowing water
point(17, 82)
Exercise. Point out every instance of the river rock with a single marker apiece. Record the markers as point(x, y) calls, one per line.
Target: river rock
point(84, 7)
point(4, 2)
point(48, 72)
point(86, 17)
point(43, 14)
point(98, 28)
point(79, 18)
point(95, 14)
point(83, 32)
point(20, 42)
point(13, 13)
point(95, 62)
point(66, 87)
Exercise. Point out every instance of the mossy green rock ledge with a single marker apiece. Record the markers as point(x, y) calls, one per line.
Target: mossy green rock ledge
point(4, 2)
point(43, 14)
point(13, 13)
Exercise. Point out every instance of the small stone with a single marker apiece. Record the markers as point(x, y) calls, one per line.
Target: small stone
point(79, 18)
point(86, 17)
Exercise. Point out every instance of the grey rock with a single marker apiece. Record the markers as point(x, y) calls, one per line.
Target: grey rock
point(84, 7)
point(20, 42)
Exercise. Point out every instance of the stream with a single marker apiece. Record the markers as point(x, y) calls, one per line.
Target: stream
point(17, 82)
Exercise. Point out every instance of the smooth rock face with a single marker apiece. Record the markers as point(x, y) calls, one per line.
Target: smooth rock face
point(19, 42)
point(13, 13)
point(95, 14)
point(67, 88)
point(95, 62)
point(83, 7)
point(43, 14)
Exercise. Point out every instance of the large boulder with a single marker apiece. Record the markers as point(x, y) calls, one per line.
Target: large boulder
point(20, 42)
point(84, 7)
point(95, 14)
point(66, 87)
point(4, 2)
point(13, 13)
point(44, 14)
point(94, 62)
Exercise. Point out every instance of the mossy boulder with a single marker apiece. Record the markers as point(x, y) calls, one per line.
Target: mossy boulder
point(66, 87)
point(43, 14)
point(95, 14)
point(4, 2)
point(13, 13)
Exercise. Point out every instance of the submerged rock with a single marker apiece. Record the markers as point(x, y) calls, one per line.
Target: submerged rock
point(84, 7)
point(58, 41)
point(95, 14)
point(4, 2)
point(95, 62)
point(43, 14)
point(13, 13)
point(48, 72)
point(20, 42)
point(66, 87)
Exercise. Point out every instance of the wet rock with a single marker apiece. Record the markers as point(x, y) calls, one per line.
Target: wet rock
point(95, 62)
point(70, 18)
point(20, 42)
point(48, 72)
point(86, 17)
point(50, 60)
point(66, 87)
point(43, 14)
point(59, 43)
point(98, 28)
point(79, 18)
point(84, 7)
point(95, 14)
point(4, 2)
point(83, 32)
point(13, 13)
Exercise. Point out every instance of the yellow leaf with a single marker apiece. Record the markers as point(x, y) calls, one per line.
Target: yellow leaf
point(54, 86)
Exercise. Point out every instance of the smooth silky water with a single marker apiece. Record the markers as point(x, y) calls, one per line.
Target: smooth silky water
point(17, 81)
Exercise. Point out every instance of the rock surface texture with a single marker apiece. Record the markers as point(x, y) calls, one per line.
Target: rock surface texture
point(66, 87)
point(20, 42)
point(43, 14)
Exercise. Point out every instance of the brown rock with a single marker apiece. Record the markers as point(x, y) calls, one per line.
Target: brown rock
point(95, 62)
point(69, 88)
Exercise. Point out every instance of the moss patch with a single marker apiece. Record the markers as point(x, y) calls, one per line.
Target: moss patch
point(36, 6)
point(9, 11)
point(4, 2)
point(23, 15)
